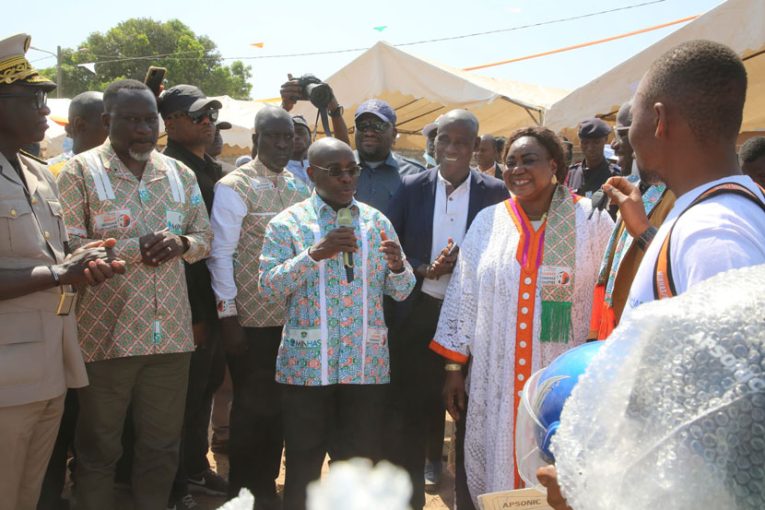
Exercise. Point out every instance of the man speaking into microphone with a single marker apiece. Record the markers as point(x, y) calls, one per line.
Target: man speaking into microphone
point(332, 259)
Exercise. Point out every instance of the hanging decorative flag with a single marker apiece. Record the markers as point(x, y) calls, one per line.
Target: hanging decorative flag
point(380, 28)
point(257, 44)
point(90, 66)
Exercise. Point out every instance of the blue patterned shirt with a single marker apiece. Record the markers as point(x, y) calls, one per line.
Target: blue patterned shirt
point(326, 339)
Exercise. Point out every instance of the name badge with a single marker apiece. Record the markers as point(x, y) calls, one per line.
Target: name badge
point(377, 336)
point(119, 219)
point(555, 275)
point(259, 185)
point(156, 332)
point(174, 222)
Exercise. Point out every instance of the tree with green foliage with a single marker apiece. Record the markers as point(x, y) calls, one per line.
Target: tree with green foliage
point(127, 50)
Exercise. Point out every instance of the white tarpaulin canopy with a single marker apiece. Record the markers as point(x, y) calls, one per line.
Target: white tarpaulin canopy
point(420, 91)
point(241, 115)
point(739, 24)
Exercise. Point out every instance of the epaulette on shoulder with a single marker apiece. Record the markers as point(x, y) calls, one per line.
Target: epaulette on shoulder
point(33, 157)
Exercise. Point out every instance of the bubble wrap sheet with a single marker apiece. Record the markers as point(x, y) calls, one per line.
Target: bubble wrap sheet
point(671, 413)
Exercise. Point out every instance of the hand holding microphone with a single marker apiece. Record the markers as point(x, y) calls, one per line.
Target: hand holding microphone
point(628, 198)
point(339, 240)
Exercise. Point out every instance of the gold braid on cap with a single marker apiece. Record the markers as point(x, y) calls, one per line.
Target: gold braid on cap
point(18, 68)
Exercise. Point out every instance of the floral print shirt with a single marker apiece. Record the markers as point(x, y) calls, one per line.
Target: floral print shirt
point(335, 331)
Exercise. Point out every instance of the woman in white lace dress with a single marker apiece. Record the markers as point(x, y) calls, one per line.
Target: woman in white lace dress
point(521, 295)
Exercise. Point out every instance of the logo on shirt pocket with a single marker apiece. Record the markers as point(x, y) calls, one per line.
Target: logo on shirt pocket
point(302, 338)
point(174, 222)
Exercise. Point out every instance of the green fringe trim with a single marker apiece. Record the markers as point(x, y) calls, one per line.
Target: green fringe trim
point(556, 321)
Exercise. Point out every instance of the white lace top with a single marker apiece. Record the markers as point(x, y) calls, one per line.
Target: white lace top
point(479, 319)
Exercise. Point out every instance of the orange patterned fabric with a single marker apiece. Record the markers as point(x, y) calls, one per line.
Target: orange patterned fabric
point(529, 256)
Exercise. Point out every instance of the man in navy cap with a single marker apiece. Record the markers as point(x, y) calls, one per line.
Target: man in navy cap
point(381, 169)
point(587, 176)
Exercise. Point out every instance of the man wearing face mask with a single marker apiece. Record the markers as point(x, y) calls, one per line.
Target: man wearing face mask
point(381, 168)
point(135, 334)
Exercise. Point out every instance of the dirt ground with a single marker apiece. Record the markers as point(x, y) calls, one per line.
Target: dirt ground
point(444, 499)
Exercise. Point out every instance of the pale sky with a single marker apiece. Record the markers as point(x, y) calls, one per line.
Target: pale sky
point(300, 26)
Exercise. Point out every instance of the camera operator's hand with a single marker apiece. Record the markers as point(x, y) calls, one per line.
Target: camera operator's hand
point(291, 93)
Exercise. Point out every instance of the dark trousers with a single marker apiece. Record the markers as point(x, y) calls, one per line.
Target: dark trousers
point(345, 419)
point(415, 394)
point(462, 499)
point(256, 436)
point(55, 475)
point(206, 371)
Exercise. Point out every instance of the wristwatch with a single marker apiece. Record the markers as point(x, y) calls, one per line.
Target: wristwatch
point(337, 112)
point(646, 237)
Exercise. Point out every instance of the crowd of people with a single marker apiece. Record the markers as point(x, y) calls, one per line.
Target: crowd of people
point(352, 296)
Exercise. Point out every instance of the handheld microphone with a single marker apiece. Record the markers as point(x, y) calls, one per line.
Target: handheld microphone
point(345, 219)
point(599, 202)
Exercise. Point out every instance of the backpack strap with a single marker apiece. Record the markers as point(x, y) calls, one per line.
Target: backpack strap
point(663, 282)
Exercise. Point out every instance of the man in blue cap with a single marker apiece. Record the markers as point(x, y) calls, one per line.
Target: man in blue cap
point(381, 168)
point(588, 175)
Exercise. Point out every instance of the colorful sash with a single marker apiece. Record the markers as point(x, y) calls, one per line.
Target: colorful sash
point(603, 319)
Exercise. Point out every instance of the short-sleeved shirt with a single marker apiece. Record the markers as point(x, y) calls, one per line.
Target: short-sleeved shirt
point(377, 185)
point(147, 311)
point(724, 232)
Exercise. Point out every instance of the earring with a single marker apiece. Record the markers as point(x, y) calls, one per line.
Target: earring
point(554, 179)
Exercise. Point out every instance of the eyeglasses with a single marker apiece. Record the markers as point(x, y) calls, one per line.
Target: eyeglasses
point(199, 116)
point(337, 171)
point(378, 126)
point(40, 98)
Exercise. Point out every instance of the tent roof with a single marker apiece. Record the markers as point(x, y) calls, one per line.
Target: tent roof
point(739, 24)
point(420, 90)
